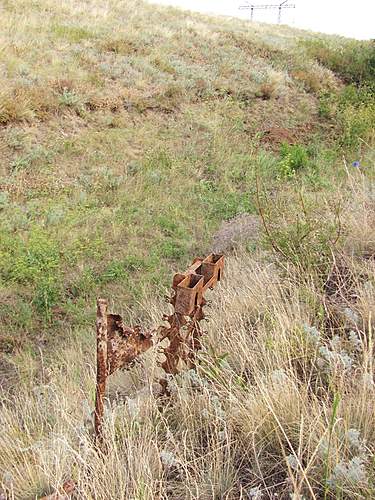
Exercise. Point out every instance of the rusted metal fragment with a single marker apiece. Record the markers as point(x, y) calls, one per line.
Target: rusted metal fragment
point(64, 493)
point(174, 352)
point(194, 334)
point(184, 331)
point(124, 344)
point(184, 335)
point(211, 269)
point(117, 347)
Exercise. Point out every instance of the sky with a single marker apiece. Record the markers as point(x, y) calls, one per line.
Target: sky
point(353, 18)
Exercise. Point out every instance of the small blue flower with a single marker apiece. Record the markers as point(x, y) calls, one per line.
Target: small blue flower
point(356, 164)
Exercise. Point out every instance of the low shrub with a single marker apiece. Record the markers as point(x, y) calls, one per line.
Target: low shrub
point(293, 158)
point(353, 60)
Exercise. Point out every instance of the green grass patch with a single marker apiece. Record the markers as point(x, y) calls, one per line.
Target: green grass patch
point(74, 34)
point(352, 60)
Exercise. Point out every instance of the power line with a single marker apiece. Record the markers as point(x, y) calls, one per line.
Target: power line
point(280, 6)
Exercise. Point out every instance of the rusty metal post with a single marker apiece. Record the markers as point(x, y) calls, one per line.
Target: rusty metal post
point(101, 365)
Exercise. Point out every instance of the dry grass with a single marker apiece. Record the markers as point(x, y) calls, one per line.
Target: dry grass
point(275, 409)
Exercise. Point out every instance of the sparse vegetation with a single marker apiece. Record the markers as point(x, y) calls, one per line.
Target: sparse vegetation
point(128, 134)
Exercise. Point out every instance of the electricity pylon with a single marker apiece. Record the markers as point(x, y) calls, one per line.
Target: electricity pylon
point(282, 5)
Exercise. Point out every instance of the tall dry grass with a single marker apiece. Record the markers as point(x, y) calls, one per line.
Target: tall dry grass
point(281, 405)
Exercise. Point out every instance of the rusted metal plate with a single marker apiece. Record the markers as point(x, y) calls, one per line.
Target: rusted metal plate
point(124, 344)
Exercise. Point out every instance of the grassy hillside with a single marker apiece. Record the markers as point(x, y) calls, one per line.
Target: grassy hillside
point(128, 134)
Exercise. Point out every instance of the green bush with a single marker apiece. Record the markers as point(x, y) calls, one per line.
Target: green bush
point(293, 158)
point(354, 107)
point(226, 205)
point(223, 202)
point(48, 293)
point(303, 230)
point(169, 227)
point(358, 122)
point(83, 284)
point(326, 105)
point(73, 34)
point(118, 270)
point(352, 110)
point(27, 261)
point(356, 114)
point(353, 61)
point(35, 158)
point(135, 263)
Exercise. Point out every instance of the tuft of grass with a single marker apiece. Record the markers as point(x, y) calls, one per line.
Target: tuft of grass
point(15, 107)
point(293, 158)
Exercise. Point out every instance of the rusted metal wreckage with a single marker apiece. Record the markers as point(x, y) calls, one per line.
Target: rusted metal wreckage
point(118, 345)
